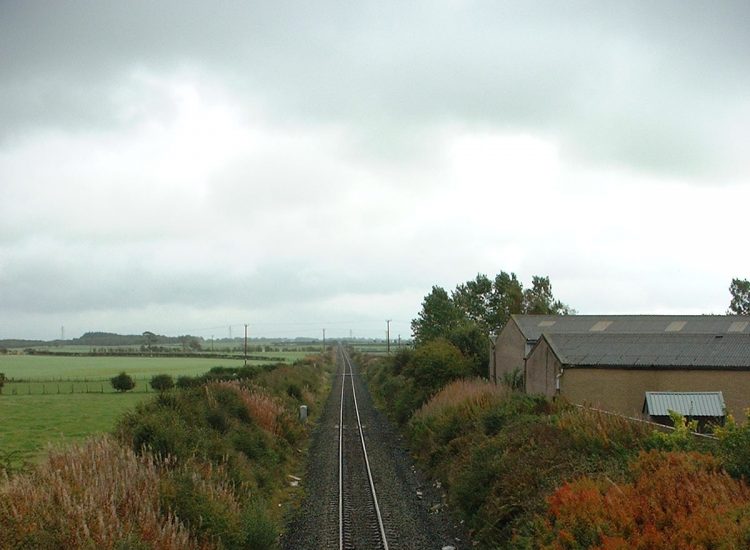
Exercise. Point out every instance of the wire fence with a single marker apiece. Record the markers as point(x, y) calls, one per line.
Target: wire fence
point(655, 425)
point(70, 386)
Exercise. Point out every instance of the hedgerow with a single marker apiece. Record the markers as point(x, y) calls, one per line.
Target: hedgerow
point(509, 461)
point(202, 466)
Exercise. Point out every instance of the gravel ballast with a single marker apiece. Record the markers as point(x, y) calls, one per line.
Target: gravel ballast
point(413, 510)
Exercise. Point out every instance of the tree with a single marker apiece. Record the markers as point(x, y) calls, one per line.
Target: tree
point(490, 303)
point(485, 304)
point(438, 317)
point(2, 381)
point(506, 299)
point(539, 299)
point(434, 364)
point(123, 382)
point(149, 340)
point(191, 343)
point(740, 291)
point(162, 382)
point(474, 345)
point(473, 298)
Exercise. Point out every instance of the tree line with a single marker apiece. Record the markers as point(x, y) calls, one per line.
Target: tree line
point(478, 308)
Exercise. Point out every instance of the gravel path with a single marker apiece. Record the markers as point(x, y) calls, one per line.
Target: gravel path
point(414, 514)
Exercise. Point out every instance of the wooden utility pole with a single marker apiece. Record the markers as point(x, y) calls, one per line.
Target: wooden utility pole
point(245, 344)
point(324, 340)
point(388, 336)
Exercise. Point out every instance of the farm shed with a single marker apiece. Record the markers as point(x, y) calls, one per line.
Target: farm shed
point(521, 332)
point(705, 407)
point(615, 371)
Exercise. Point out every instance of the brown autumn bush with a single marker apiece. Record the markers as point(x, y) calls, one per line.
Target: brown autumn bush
point(267, 411)
point(94, 495)
point(676, 500)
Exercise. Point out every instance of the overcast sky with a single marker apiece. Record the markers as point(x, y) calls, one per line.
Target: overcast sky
point(185, 166)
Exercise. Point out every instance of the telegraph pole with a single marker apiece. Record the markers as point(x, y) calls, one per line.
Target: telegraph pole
point(324, 340)
point(388, 336)
point(245, 344)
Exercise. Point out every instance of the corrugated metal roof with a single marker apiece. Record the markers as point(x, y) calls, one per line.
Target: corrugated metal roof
point(710, 403)
point(532, 326)
point(669, 350)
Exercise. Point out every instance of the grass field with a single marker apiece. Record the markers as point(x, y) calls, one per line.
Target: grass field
point(31, 422)
point(51, 405)
point(43, 367)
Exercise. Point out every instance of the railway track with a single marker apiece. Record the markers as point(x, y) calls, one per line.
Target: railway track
point(360, 518)
point(363, 491)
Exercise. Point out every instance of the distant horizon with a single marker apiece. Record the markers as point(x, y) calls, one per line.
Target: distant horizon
point(209, 339)
point(289, 334)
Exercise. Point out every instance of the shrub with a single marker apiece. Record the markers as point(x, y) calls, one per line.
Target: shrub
point(734, 447)
point(294, 391)
point(122, 382)
point(262, 408)
point(2, 381)
point(676, 500)
point(679, 439)
point(435, 364)
point(259, 531)
point(472, 341)
point(513, 379)
point(162, 382)
point(204, 500)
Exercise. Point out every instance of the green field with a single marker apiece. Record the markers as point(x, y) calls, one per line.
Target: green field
point(31, 422)
point(51, 404)
point(57, 367)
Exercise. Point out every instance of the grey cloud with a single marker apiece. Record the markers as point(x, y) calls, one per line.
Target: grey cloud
point(630, 83)
point(55, 277)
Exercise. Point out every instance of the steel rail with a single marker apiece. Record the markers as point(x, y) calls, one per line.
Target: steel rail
point(383, 538)
point(341, 457)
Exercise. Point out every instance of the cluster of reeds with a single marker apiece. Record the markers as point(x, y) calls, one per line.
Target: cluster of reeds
point(93, 495)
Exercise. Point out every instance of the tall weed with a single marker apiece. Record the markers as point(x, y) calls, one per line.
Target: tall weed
point(94, 495)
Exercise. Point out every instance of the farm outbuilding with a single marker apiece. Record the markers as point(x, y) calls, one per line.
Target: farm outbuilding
point(703, 407)
point(514, 343)
point(616, 372)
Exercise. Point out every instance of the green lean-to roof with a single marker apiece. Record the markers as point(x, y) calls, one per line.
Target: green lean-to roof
point(532, 326)
point(671, 350)
point(693, 404)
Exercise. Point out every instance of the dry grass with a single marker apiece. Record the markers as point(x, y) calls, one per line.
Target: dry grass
point(471, 394)
point(93, 495)
point(592, 425)
point(264, 409)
